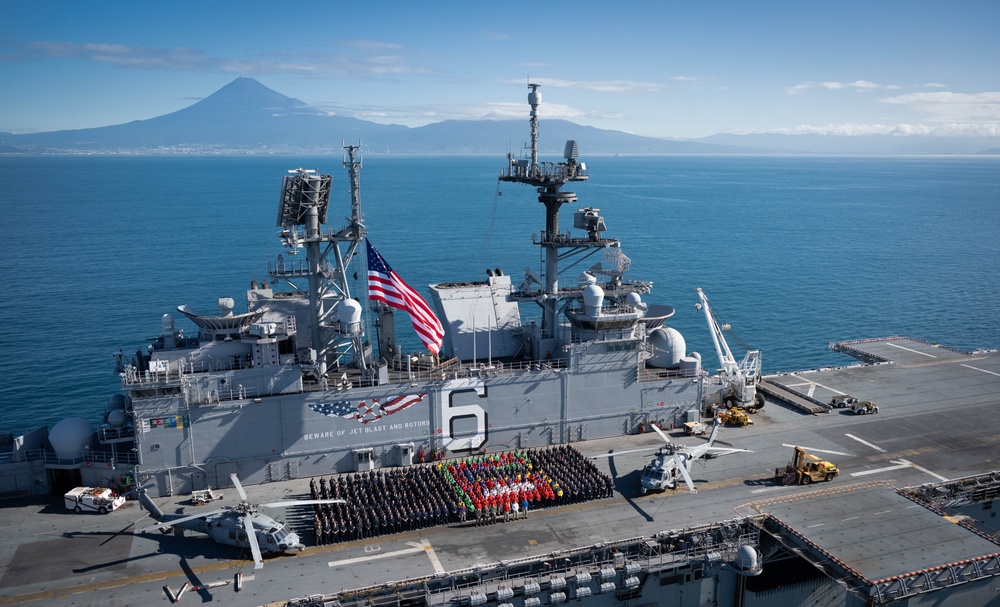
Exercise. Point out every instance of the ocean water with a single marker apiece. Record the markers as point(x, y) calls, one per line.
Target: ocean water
point(793, 252)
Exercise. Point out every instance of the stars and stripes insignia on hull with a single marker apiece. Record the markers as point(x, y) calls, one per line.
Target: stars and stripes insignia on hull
point(367, 411)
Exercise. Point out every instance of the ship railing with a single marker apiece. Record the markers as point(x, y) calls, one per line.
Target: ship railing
point(132, 378)
point(115, 434)
point(455, 370)
point(613, 561)
point(88, 459)
point(654, 374)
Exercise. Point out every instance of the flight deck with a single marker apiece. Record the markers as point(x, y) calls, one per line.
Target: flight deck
point(935, 425)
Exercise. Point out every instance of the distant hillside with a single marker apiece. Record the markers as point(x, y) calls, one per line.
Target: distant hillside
point(247, 117)
point(857, 144)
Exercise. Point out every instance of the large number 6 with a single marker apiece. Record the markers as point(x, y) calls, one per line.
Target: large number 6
point(451, 412)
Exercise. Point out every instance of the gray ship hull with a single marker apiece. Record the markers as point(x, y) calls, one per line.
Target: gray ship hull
point(289, 436)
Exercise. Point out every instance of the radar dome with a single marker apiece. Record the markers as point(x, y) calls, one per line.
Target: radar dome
point(669, 348)
point(167, 322)
point(349, 311)
point(70, 436)
point(593, 299)
point(119, 401)
point(746, 559)
point(586, 278)
point(117, 418)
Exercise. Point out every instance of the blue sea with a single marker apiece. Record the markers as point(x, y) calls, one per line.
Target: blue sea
point(793, 252)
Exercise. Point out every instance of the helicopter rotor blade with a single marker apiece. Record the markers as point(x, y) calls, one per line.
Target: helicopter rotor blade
point(239, 486)
point(679, 462)
point(662, 434)
point(178, 521)
point(258, 560)
point(287, 503)
point(614, 453)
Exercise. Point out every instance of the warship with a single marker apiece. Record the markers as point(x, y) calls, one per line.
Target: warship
point(294, 388)
point(299, 384)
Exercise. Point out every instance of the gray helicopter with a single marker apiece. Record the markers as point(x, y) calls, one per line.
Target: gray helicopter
point(229, 525)
point(673, 461)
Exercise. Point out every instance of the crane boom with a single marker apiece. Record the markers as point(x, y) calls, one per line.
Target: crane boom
point(740, 379)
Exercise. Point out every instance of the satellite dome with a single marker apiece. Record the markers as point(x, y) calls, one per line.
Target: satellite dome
point(70, 436)
point(669, 348)
point(117, 418)
point(593, 299)
point(748, 561)
point(586, 278)
point(121, 402)
point(635, 300)
point(746, 558)
point(349, 311)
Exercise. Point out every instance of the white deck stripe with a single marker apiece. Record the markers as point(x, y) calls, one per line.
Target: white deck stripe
point(983, 370)
point(424, 546)
point(926, 471)
point(866, 443)
point(811, 450)
point(910, 350)
point(904, 464)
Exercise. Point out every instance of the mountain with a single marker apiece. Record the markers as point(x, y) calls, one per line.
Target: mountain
point(247, 117)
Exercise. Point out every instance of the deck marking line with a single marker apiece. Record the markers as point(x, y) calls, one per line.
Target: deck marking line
point(433, 557)
point(900, 463)
point(811, 450)
point(769, 489)
point(926, 471)
point(866, 443)
point(817, 525)
point(983, 370)
point(910, 350)
point(361, 559)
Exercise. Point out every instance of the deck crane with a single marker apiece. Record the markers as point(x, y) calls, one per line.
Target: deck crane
point(739, 380)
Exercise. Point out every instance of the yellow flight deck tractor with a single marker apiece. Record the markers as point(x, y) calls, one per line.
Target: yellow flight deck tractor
point(805, 468)
point(735, 417)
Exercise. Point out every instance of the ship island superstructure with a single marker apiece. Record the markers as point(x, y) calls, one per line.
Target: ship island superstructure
point(296, 385)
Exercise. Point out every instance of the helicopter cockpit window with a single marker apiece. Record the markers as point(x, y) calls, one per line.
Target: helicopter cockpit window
point(280, 535)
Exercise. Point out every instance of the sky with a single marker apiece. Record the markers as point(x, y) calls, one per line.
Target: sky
point(660, 68)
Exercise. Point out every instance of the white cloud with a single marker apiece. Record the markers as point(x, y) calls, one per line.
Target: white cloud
point(852, 129)
point(600, 86)
point(372, 59)
point(858, 85)
point(952, 107)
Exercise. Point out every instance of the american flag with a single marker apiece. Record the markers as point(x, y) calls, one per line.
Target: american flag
point(367, 411)
point(385, 285)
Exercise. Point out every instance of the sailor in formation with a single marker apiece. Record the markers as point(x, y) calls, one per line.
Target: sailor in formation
point(486, 487)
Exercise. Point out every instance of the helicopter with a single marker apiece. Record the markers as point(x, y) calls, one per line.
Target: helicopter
point(672, 462)
point(228, 525)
